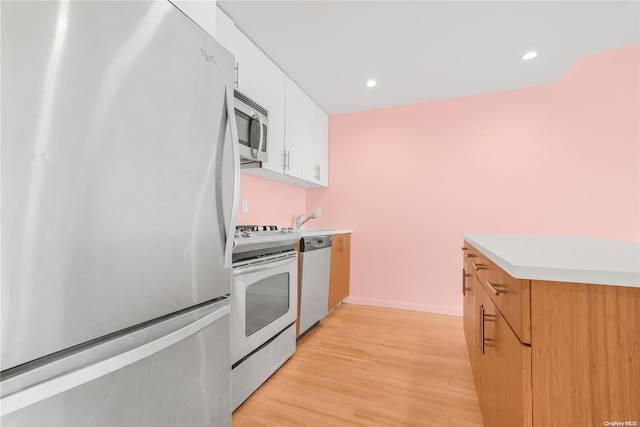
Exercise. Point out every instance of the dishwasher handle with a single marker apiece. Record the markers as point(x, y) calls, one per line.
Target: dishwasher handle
point(315, 243)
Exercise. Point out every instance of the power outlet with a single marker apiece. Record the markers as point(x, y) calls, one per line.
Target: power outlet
point(245, 206)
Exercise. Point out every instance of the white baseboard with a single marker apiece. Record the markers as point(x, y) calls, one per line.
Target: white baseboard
point(437, 309)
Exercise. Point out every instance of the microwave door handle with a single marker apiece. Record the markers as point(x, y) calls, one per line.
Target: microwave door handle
point(256, 151)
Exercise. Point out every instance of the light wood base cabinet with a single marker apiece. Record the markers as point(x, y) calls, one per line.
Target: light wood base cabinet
point(503, 368)
point(340, 269)
point(470, 319)
point(585, 341)
point(573, 358)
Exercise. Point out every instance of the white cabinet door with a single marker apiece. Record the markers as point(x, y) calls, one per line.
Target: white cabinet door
point(274, 101)
point(322, 147)
point(308, 145)
point(249, 59)
point(315, 153)
point(225, 31)
point(306, 138)
point(203, 13)
point(293, 130)
point(250, 72)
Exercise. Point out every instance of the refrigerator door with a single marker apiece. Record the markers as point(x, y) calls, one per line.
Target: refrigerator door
point(117, 170)
point(123, 381)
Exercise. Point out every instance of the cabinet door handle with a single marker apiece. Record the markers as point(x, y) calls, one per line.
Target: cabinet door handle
point(287, 160)
point(467, 254)
point(481, 332)
point(493, 289)
point(484, 317)
point(237, 81)
point(284, 160)
point(478, 266)
point(342, 245)
point(464, 282)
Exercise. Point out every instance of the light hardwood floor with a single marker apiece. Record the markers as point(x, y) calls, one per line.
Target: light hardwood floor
point(371, 366)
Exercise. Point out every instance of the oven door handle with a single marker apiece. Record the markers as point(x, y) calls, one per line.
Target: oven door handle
point(263, 266)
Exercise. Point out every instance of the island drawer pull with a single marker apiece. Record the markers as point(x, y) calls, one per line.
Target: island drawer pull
point(478, 266)
point(493, 289)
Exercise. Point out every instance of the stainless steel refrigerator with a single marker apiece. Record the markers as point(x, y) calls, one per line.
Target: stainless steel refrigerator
point(120, 174)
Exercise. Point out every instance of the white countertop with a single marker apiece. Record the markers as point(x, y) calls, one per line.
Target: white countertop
point(562, 258)
point(310, 232)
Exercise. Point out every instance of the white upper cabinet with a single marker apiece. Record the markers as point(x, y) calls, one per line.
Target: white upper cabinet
point(225, 31)
point(249, 59)
point(298, 128)
point(306, 139)
point(293, 129)
point(308, 149)
point(250, 68)
point(204, 13)
point(274, 101)
point(322, 146)
point(315, 155)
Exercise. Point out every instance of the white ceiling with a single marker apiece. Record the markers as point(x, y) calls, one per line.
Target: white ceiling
point(422, 51)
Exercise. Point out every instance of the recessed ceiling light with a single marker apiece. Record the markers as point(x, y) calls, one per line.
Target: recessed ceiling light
point(529, 55)
point(371, 83)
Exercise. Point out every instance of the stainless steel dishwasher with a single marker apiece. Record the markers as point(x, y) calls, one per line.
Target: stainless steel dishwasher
point(315, 256)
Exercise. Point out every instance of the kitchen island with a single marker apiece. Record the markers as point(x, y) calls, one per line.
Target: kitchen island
point(552, 326)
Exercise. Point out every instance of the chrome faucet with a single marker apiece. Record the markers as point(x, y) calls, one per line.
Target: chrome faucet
point(300, 222)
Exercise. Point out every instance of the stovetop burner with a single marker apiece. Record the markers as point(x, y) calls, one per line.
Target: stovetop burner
point(260, 240)
point(254, 228)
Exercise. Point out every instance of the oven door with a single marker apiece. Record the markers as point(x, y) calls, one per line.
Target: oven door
point(263, 301)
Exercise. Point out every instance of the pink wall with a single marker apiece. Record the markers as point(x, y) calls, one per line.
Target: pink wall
point(558, 159)
point(269, 202)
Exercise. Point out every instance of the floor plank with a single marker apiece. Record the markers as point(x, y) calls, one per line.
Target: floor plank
point(371, 366)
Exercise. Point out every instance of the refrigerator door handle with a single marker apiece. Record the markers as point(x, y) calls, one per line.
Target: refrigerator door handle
point(230, 232)
point(60, 384)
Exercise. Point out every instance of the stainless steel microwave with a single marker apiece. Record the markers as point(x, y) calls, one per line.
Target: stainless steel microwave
point(253, 128)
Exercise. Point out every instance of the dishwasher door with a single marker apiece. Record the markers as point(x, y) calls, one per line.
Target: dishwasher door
point(314, 272)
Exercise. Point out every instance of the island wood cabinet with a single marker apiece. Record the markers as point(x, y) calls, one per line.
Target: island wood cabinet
point(470, 318)
point(503, 368)
point(550, 353)
point(340, 269)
